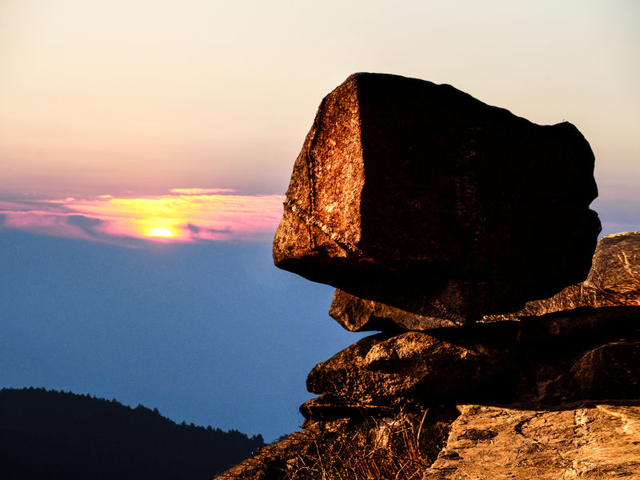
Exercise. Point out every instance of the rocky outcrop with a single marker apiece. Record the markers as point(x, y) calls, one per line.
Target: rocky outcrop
point(549, 397)
point(437, 217)
point(421, 197)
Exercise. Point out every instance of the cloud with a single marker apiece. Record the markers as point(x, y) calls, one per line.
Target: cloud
point(83, 222)
point(40, 221)
point(184, 215)
point(209, 234)
point(193, 229)
point(202, 191)
point(86, 224)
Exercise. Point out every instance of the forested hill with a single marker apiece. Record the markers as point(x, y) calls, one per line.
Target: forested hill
point(50, 434)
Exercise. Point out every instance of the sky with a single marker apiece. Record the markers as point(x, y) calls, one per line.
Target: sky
point(145, 148)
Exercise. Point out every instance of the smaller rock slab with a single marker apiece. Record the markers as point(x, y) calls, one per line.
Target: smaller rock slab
point(383, 370)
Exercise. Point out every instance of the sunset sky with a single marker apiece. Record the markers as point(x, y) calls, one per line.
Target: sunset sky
point(161, 134)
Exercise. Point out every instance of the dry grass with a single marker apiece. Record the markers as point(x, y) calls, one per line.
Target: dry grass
point(398, 448)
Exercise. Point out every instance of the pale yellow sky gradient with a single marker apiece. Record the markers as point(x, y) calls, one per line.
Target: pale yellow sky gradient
point(139, 97)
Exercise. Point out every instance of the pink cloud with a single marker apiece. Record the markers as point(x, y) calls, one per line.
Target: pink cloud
point(41, 222)
point(183, 215)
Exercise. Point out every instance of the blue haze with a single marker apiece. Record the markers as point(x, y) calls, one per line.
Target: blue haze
point(211, 334)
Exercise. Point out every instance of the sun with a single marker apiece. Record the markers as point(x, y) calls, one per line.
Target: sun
point(161, 233)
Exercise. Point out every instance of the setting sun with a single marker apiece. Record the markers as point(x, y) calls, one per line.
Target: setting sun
point(161, 232)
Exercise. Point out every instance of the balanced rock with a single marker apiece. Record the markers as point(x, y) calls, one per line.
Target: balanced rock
point(424, 198)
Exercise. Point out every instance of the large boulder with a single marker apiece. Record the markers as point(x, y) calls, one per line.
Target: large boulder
point(424, 198)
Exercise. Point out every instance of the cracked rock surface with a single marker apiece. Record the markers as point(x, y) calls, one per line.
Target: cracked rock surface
point(499, 443)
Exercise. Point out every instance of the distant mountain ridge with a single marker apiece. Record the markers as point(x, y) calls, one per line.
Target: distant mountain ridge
point(51, 434)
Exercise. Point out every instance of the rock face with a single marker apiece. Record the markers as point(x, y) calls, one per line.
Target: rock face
point(421, 197)
point(590, 442)
point(614, 279)
point(616, 268)
point(437, 216)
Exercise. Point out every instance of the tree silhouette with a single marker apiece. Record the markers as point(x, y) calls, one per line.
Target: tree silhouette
point(51, 434)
